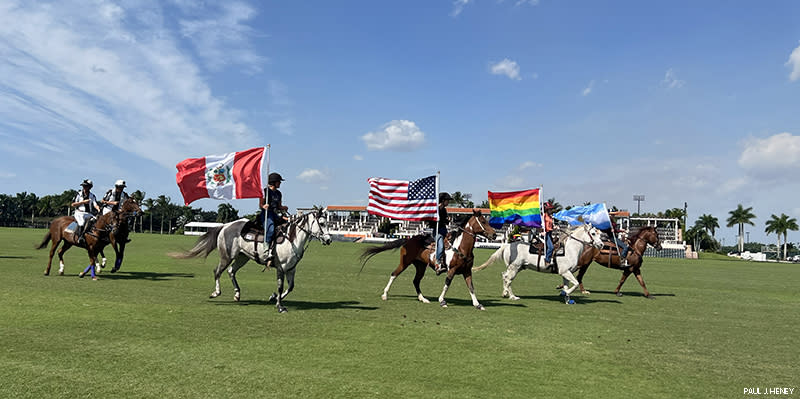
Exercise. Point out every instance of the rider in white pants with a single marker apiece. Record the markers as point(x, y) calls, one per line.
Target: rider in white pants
point(84, 202)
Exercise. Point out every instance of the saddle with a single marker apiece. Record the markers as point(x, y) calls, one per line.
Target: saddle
point(538, 247)
point(254, 232)
point(429, 243)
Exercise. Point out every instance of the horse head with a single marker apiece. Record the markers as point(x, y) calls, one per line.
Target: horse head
point(317, 224)
point(129, 208)
point(593, 235)
point(651, 237)
point(478, 224)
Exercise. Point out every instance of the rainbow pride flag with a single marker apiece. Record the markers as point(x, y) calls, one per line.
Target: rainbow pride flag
point(515, 207)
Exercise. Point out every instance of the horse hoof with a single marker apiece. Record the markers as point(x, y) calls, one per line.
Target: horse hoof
point(562, 293)
point(650, 297)
point(384, 297)
point(46, 273)
point(443, 304)
point(480, 307)
point(214, 294)
point(236, 297)
point(618, 294)
point(282, 310)
point(271, 297)
point(584, 292)
point(571, 302)
point(114, 270)
point(60, 273)
point(514, 298)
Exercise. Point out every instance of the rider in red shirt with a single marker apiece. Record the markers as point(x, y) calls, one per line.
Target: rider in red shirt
point(547, 217)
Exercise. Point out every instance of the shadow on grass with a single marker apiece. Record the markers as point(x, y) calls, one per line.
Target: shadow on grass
point(579, 299)
point(15, 257)
point(641, 294)
point(465, 302)
point(107, 275)
point(301, 305)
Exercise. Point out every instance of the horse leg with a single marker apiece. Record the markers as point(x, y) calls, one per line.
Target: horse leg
point(417, 278)
point(217, 273)
point(119, 253)
point(581, 272)
point(279, 305)
point(53, 247)
point(508, 277)
point(468, 281)
point(289, 282)
point(61, 251)
point(569, 278)
point(625, 274)
point(403, 265)
point(638, 273)
point(238, 262)
point(447, 282)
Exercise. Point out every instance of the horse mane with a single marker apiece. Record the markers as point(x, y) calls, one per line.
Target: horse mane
point(632, 237)
point(461, 220)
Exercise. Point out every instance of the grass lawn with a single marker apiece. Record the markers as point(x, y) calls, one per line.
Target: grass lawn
point(150, 331)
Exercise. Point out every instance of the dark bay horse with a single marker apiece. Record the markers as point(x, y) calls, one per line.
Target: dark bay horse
point(105, 231)
point(611, 258)
point(459, 258)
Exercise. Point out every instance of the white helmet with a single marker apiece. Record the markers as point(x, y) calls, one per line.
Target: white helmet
point(119, 183)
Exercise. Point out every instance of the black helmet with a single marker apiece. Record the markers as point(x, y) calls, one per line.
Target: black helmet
point(444, 196)
point(274, 177)
point(87, 182)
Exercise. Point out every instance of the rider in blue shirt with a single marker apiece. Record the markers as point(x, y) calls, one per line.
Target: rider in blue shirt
point(271, 210)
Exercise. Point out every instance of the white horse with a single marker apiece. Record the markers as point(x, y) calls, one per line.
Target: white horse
point(235, 251)
point(517, 257)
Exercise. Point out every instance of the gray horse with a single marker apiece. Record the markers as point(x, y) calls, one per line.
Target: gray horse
point(235, 251)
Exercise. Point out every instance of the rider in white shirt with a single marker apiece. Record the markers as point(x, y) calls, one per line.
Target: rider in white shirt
point(114, 197)
point(85, 202)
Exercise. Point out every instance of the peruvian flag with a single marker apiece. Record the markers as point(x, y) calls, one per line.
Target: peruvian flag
point(228, 176)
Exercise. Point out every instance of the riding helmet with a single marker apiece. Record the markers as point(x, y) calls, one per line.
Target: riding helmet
point(87, 182)
point(119, 183)
point(274, 177)
point(548, 205)
point(444, 196)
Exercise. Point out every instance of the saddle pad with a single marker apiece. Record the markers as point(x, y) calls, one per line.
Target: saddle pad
point(72, 227)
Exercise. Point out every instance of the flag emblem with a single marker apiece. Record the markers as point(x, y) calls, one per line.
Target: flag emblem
point(219, 175)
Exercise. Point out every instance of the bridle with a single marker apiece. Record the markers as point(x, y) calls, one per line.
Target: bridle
point(586, 228)
point(319, 236)
point(472, 231)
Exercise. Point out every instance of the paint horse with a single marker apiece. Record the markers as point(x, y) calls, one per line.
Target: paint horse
point(459, 257)
point(577, 240)
point(235, 251)
point(106, 230)
point(610, 258)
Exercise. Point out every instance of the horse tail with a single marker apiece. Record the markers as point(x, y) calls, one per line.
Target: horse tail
point(372, 251)
point(494, 258)
point(205, 244)
point(45, 240)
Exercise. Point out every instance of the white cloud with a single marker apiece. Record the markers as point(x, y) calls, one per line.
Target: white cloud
point(224, 39)
point(458, 6)
point(313, 176)
point(110, 72)
point(7, 175)
point(671, 80)
point(530, 2)
point(285, 126)
point(506, 67)
point(528, 165)
point(398, 135)
point(588, 89)
point(794, 63)
point(777, 154)
point(358, 157)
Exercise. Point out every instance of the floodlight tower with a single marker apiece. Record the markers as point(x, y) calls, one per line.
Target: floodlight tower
point(638, 198)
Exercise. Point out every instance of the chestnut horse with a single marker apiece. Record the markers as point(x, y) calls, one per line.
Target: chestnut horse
point(459, 258)
point(107, 230)
point(611, 258)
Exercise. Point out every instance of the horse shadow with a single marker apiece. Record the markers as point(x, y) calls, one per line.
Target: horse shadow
point(14, 257)
point(467, 302)
point(145, 276)
point(632, 293)
point(579, 300)
point(302, 305)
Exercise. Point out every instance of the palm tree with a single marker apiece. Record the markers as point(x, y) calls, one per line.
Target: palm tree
point(226, 213)
point(740, 216)
point(149, 203)
point(556, 206)
point(162, 206)
point(138, 195)
point(463, 200)
point(781, 225)
point(707, 222)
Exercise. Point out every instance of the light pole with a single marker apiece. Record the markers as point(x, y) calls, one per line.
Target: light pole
point(748, 236)
point(638, 198)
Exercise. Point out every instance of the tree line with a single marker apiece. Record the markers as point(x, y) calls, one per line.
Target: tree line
point(28, 209)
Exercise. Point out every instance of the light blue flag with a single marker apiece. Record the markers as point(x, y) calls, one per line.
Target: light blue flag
point(594, 214)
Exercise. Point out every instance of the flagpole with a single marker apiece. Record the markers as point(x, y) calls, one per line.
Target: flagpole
point(435, 240)
point(266, 192)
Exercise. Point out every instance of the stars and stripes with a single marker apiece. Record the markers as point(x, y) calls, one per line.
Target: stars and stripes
point(402, 199)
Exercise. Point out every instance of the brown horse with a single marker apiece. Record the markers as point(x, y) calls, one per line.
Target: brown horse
point(611, 258)
point(416, 251)
point(105, 231)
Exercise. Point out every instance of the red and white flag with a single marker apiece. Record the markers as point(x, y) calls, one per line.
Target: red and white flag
point(228, 176)
point(402, 199)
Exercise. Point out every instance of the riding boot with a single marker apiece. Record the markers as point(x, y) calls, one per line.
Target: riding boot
point(441, 267)
point(270, 255)
point(80, 230)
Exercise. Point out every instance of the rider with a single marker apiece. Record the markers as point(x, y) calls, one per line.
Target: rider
point(441, 232)
point(548, 233)
point(271, 207)
point(114, 197)
point(85, 204)
point(620, 243)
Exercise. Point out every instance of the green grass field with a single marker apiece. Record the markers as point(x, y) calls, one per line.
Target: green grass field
point(150, 331)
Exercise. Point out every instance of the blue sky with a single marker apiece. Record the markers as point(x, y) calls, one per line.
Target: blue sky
point(695, 102)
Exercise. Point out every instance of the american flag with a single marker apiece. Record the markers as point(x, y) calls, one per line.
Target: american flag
point(402, 199)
